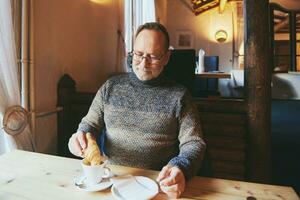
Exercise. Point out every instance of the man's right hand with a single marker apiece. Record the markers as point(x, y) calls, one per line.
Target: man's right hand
point(77, 143)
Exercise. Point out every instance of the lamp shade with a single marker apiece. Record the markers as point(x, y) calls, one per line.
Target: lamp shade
point(221, 36)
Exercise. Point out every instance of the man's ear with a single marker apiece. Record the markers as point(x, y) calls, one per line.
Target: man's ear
point(167, 57)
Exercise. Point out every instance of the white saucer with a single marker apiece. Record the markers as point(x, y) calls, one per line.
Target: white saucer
point(80, 183)
point(145, 182)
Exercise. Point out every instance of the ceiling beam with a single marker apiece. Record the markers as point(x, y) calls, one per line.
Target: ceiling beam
point(222, 6)
point(200, 6)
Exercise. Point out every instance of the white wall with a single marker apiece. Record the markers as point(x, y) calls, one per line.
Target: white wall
point(161, 11)
point(75, 37)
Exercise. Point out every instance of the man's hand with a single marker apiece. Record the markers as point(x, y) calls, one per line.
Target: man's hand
point(77, 143)
point(171, 181)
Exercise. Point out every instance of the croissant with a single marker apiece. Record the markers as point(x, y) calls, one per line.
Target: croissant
point(92, 154)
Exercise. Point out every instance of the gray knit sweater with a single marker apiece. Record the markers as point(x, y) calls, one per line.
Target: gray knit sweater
point(148, 123)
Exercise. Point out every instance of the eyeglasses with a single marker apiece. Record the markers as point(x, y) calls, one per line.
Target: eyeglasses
point(152, 59)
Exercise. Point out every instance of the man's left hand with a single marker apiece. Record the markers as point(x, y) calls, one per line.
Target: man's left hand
point(171, 181)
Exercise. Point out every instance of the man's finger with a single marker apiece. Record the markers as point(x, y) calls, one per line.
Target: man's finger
point(174, 177)
point(78, 148)
point(74, 146)
point(173, 191)
point(163, 173)
point(172, 188)
point(82, 140)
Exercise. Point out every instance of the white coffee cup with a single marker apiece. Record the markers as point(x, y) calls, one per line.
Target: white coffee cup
point(95, 173)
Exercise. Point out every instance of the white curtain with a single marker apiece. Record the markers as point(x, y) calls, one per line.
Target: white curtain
point(144, 11)
point(137, 12)
point(9, 81)
point(238, 34)
point(121, 51)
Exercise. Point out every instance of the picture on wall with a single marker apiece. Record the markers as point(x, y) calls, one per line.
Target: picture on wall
point(184, 40)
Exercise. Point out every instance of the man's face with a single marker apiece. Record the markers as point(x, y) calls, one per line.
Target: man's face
point(149, 54)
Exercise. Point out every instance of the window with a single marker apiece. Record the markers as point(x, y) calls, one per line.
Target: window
point(285, 34)
point(137, 12)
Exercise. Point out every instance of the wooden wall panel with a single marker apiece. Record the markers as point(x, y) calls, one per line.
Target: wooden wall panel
point(224, 125)
point(223, 118)
point(225, 142)
point(233, 130)
point(227, 155)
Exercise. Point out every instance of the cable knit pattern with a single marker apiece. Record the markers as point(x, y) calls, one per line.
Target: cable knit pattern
point(148, 123)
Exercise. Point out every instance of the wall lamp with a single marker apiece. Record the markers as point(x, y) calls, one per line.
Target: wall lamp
point(221, 36)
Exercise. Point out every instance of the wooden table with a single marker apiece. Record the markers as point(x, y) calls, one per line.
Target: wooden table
point(34, 176)
point(214, 75)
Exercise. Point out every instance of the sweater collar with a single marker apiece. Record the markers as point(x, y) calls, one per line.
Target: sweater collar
point(158, 81)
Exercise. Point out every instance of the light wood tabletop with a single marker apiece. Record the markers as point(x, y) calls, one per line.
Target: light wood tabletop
point(34, 176)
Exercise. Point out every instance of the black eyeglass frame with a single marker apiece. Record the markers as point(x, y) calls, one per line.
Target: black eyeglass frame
point(151, 58)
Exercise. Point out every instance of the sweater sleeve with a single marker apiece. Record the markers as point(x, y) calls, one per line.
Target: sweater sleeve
point(191, 145)
point(93, 122)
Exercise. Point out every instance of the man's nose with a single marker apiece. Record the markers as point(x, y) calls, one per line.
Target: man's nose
point(145, 61)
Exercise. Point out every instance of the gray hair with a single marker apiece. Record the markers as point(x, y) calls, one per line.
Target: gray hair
point(157, 27)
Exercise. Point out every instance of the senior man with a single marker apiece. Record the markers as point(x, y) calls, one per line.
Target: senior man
point(151, 122)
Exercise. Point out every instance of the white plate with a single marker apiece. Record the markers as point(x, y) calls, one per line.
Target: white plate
point(80, 183)
point(145, 182)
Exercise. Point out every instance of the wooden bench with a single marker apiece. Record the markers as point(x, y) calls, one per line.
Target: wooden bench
point(224, 127)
